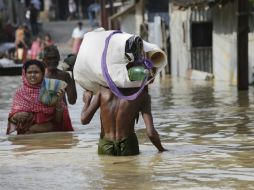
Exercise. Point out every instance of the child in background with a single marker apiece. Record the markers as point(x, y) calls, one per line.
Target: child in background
point(48, 41)
point(36, 48)
point(20, 44)
point(51, 59)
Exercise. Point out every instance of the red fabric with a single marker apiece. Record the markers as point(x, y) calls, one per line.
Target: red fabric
point(66, 125)
point(49, 43)
point(26, 100)
point(76, 45)
point(35, 49)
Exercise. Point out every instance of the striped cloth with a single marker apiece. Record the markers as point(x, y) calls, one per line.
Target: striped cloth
point(49, 90)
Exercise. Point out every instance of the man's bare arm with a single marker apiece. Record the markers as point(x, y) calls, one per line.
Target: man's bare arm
point(148, 120)
point(90, 107)
point(151, 132)
point(71, 90)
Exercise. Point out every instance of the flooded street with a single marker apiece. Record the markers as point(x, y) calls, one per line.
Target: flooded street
point(207, 127)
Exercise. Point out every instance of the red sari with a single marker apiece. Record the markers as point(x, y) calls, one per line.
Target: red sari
point(26, 100)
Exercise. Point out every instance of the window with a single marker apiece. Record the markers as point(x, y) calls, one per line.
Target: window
point(201, 34)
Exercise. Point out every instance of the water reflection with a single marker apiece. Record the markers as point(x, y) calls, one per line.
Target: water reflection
point(124, 178)
point(58, 140)
point(207, 127)
point(244, 107)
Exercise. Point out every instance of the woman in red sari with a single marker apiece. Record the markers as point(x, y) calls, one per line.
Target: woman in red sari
point(28, 114)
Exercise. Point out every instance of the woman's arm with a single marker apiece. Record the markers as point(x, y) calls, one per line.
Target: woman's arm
point(59, 108)
point(21, 117)
point(21, 120)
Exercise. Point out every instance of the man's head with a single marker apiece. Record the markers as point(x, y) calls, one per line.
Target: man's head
point(51, 56)
point(80, 24)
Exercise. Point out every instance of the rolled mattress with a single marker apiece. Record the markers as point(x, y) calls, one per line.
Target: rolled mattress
point(88, 71)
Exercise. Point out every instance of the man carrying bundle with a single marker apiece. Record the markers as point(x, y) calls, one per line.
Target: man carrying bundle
point(118, 116)
point(116, 82)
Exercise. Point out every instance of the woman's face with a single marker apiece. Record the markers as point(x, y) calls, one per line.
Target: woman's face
point(34, 75)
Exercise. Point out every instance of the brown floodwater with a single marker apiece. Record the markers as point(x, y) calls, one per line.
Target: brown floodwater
point(207, 128)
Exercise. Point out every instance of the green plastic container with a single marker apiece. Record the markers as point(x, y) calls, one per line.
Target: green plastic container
point(137, 73)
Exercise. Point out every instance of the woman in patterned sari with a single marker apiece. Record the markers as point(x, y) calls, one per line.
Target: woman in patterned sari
point(28, 114)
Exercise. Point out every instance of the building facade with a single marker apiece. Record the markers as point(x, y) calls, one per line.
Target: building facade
point(204, 40)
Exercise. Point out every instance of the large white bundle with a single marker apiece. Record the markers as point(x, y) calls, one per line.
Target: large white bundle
point(87, 68)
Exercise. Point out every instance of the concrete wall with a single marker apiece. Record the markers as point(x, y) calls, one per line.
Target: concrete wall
point(155, 32)
point(131, 22)
point(128, 23)
point(180, 49)
point(224, 44)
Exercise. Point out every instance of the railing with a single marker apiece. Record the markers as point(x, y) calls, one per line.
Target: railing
point(201, 59)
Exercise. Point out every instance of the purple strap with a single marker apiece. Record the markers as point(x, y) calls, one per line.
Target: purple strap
point(148, 64)
point(107, 77)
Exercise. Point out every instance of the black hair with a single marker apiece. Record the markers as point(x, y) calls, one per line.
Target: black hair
point(51, 55)
point(80, 24)
point(49, 36)
point(34, 62)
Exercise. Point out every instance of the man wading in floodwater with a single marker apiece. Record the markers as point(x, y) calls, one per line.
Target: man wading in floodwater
point(118, 117)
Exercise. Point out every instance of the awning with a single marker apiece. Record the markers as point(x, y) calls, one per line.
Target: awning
point(198, 3)
point(123, 12)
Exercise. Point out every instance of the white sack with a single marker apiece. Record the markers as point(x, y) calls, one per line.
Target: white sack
point(87, 68)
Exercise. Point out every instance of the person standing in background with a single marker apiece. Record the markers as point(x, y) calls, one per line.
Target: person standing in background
point(72, 9)
point(48, 41)
point(28, 35)
point(36, 48)
point(92, 11)
point(77, 37)
point(34, 10)
point(20, 44)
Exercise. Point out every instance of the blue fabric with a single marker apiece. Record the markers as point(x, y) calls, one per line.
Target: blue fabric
point(49, 90)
